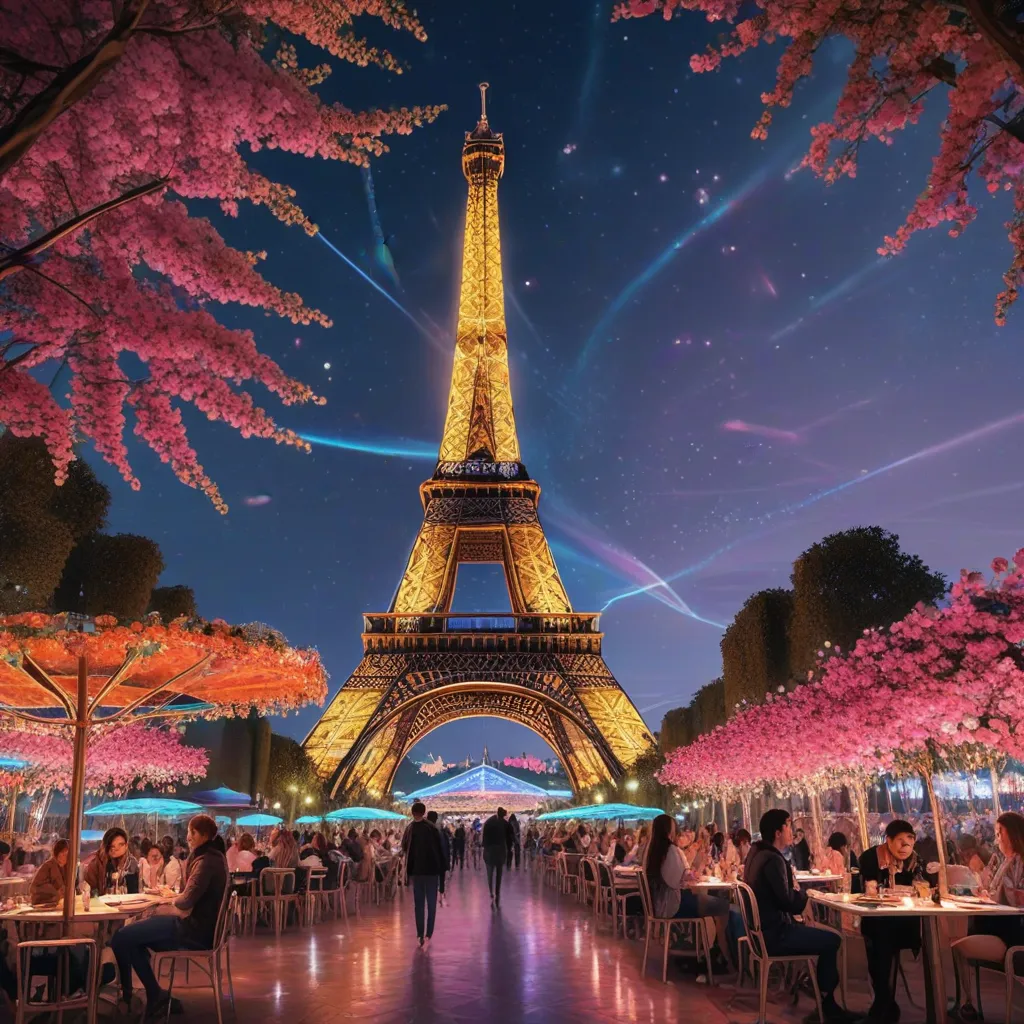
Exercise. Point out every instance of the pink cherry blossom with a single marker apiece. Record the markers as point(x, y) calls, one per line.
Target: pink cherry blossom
point(903, 50)
point(118, 760)
point(126, 302)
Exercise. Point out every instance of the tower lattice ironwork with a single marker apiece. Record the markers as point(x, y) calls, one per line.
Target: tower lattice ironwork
point(423, 666)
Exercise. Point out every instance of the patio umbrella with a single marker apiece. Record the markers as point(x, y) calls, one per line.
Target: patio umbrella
point(308, 819)
point(258, 820)
point(59, 672)
point(222, 797)
point(162, 806)
point(626, 812)
point(363, 814)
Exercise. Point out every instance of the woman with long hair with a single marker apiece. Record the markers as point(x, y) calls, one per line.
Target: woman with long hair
point(113, 858)
point(989, 938)
point(284, 851)
point(667, 874)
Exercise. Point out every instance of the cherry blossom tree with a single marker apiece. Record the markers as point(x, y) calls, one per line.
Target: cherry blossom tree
point(112, 116)
point(904, 51)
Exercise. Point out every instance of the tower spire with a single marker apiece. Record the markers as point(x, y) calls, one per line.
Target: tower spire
point(484, 86)
point(480, 424)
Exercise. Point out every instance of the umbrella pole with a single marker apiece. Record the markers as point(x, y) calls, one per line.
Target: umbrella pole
point(996, 808)
point(77, 793)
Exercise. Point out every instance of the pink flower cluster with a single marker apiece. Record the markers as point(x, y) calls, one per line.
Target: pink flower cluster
point(937, 680)
point(125, 303)
point(118, 760)
point(904, 49)
point(527, 761)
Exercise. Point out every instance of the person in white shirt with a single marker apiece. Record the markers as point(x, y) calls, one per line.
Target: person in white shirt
point(160, 870)
point(242, 854)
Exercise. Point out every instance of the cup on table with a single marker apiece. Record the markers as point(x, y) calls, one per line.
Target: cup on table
point(870, 888)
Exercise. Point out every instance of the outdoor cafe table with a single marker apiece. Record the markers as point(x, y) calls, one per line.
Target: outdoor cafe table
point(102, 913)
point(14, 885)
point(929, 912)
point(806, 878)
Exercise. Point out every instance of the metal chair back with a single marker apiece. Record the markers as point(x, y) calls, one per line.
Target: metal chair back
point(277, 882)
point(64, 987)
point(751, 920)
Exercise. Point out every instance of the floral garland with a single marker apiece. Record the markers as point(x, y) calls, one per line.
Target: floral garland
point(943, 687)
point(118, 760)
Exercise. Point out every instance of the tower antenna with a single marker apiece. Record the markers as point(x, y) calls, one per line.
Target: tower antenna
point(484, 86)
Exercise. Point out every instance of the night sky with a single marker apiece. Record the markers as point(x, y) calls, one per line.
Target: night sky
point(711, 367)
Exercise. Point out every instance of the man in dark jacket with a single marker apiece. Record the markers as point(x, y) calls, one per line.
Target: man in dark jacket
point(779, 898)
point(496, 840)
point(515, 846)
point(189, 922)
point(446, 854)
point(424, 862)
point(459, 847)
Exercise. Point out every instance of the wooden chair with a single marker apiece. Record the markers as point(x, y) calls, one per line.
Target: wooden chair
point(615, 897)
point(276, 894)
point(207, 961)
point(1007, 967)
point(316, 900)
point(666, 925)
point(759, 955)
point(567, 882)
point(58, 990)
point(588, 881)
point(336, 897)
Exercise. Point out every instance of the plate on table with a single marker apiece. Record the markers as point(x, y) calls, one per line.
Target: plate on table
point(123, 899)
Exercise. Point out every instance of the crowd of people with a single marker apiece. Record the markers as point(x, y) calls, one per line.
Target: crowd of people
point(191, 871)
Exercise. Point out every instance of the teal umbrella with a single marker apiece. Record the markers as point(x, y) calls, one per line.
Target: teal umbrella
point(363, 814)
point(258, 820)
point(627, 812)
point(308, 819)
point(162, 806)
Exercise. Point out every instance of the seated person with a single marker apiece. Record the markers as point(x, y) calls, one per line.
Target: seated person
point(113, 858)
point(836, 858)
point(187, 923)
point(242, 854)
point(800, 852)
point(736, 850)
point(48, 882)
point(891, 864)
point(989, 938)
point(160, 871)
point(667, 874)
point(779, 898)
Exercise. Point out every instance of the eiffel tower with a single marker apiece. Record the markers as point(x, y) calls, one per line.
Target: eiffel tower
point(423, 666)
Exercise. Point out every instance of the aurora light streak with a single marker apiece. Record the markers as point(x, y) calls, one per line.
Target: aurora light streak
point(397, 449)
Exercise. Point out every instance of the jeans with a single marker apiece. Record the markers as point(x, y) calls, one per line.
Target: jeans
point(494, 885)
point(513, 850)
point(131, 946)
point(802, 939)
point(424, 896)
point(459, 855)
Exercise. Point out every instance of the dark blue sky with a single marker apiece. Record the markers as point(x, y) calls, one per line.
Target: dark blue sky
point(665, 277)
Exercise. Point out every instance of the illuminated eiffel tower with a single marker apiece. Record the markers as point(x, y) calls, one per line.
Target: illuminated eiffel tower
point(422, 666)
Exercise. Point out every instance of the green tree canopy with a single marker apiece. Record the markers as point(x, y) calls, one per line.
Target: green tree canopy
point(707, 709)
point(290, 765)
point(675, 729)
point(110, 575)
point(173, 602)
point(755, 648)
point(41, 522)
point(849, 582)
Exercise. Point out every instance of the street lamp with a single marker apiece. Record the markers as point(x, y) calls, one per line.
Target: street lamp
point(277, 805)
point(309, 800)
point(632, 785)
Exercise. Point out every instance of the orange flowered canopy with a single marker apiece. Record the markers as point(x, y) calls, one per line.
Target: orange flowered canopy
point(225, 666)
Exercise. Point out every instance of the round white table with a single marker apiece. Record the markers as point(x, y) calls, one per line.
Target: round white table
point(929, 912)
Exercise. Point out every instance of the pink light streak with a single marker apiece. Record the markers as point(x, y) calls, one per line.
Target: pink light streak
point(771, 433)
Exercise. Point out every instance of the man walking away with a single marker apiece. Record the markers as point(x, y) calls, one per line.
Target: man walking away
point(446, 854)
point(516, 841)
point(424, 863)
point(459, 847)
point(779, 897)
point(496, 839)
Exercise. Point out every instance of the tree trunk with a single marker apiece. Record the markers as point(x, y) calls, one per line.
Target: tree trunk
point(996, 806)
point(66, 88)
point(940, 832)
point(12, 262)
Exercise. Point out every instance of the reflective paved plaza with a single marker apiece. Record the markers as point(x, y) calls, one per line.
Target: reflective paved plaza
point(542, 958)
